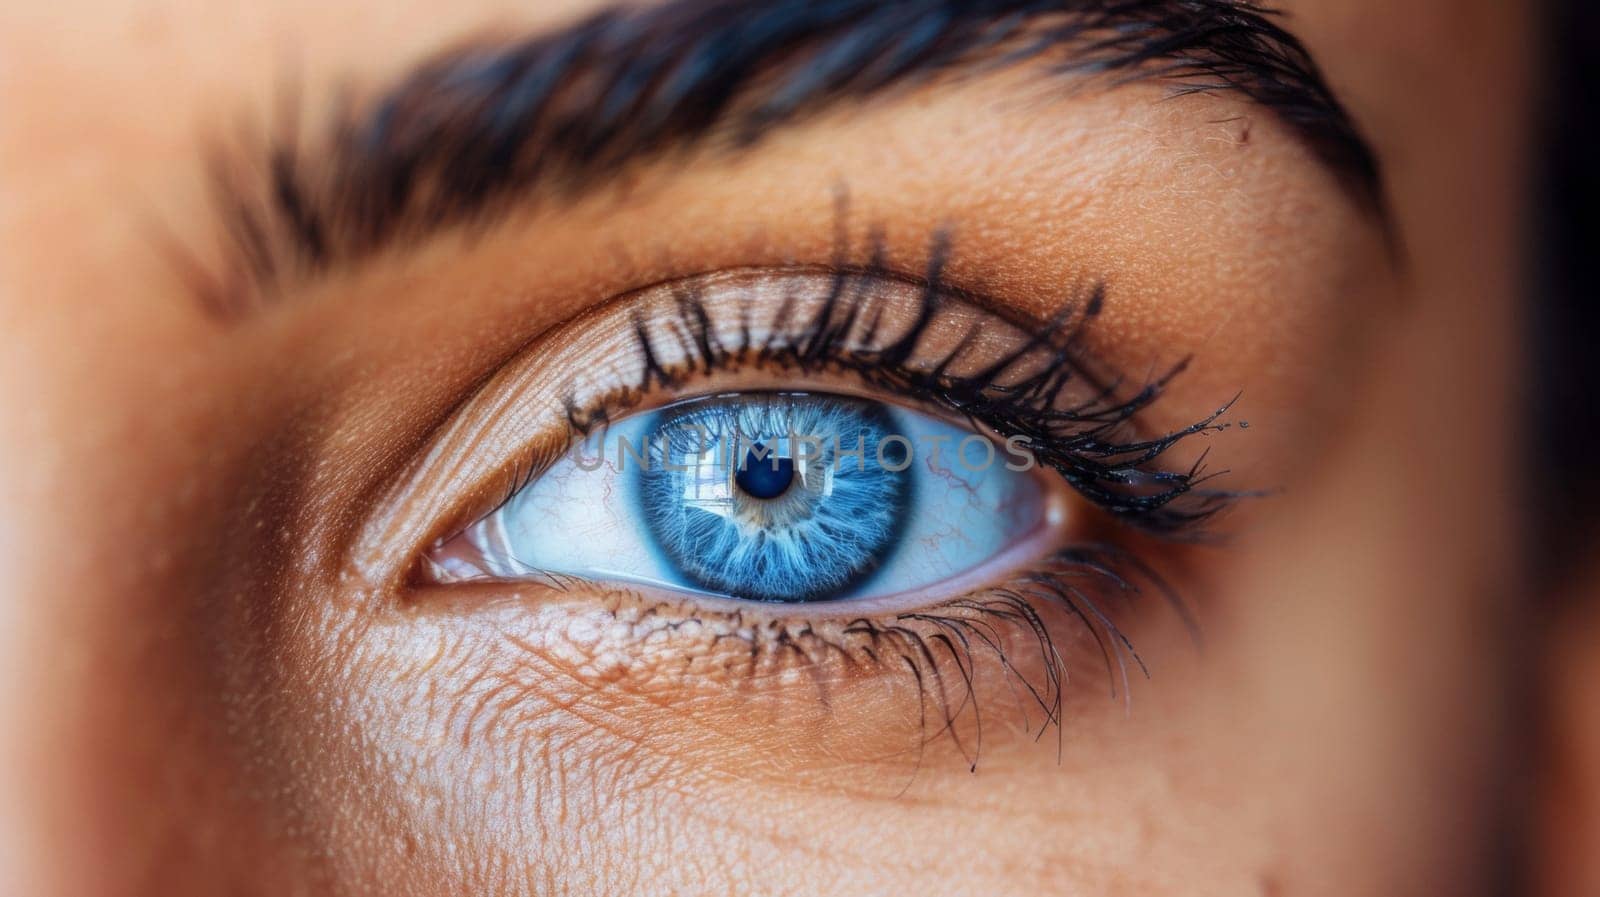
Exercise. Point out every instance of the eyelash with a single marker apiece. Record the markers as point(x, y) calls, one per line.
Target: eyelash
point(1062, 582)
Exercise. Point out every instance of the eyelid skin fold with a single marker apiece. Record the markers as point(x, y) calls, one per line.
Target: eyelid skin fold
point(882, 686)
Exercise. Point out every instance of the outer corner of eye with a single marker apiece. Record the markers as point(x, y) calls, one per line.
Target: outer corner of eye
point(771, 497)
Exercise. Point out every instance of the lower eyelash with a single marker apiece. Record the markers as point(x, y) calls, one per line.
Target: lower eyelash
point(1079, 582)
point(1018, 631)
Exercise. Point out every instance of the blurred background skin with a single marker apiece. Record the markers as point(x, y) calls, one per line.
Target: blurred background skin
point(121, 738)
point(1565, 381)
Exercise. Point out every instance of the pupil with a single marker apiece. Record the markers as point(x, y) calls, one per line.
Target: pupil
point(764, 477)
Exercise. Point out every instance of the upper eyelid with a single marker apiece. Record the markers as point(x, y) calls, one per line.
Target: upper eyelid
point(497, 411)
point(386, 170)
point(455, 462)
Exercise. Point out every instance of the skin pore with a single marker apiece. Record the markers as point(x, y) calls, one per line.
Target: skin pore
point(213, 689)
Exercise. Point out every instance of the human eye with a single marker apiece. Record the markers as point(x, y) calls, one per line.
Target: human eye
point(795, 496)
point(781, 497)
point(852, 468)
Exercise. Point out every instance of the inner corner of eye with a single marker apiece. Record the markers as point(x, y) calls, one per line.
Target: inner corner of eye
point(771, 497)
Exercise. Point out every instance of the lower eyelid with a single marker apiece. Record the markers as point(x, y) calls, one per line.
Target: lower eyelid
point(461, 478)
point(878, 685)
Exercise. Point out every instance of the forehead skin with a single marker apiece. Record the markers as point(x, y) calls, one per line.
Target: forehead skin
point(105, 368)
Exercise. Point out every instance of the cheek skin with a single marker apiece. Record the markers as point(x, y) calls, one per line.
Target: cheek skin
point(485, 742)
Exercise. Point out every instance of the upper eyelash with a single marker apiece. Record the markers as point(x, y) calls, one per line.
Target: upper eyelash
point(1087, 442)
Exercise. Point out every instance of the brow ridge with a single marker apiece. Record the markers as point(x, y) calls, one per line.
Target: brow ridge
point(498, 123)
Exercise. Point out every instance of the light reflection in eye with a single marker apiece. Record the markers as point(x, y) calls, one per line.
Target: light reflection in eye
point(773, 497)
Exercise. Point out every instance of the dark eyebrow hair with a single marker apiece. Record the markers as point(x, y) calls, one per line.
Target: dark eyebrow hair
point(476, 130)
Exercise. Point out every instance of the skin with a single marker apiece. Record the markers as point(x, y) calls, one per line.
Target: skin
point(208, 687)
point(1568, 797)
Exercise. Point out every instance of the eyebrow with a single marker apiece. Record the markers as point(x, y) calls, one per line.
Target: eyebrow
point(486, 127)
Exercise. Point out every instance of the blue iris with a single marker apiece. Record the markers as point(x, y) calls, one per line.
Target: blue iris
point(774, 497)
